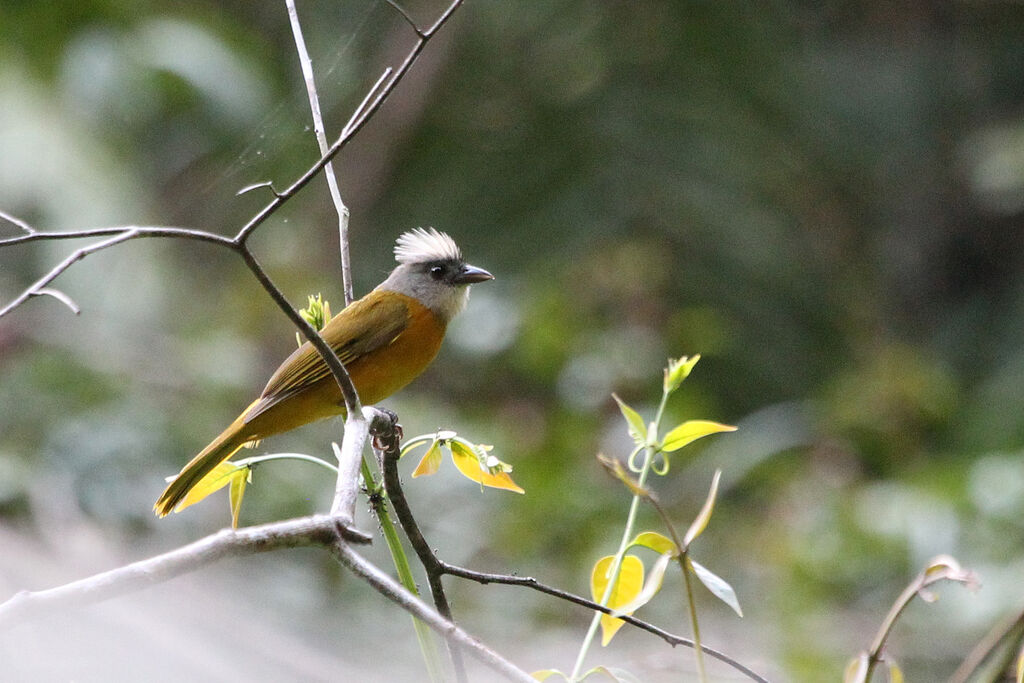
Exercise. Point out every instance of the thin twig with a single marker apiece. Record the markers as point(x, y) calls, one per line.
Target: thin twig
point(59, 296)
point(350, 131)
point(321, 138)
point(405, 15)
point(17, 222)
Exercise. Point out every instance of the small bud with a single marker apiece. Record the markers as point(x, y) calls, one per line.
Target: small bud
point(677, 371)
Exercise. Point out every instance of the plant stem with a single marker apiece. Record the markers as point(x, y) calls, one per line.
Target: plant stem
point(257, 459)
point(627, 536)
point(692, 607)
point(424, 635)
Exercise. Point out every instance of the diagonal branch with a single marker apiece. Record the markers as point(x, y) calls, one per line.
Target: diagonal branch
point(294, 533)
point(352, 128)
point(318, 530)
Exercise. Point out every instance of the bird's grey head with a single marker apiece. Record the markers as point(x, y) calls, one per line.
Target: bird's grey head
point(431, 270)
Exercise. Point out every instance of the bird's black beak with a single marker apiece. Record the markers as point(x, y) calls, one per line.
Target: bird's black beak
point(468, 274)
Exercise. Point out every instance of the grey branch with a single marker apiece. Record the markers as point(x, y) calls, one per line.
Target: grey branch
point(294, 533)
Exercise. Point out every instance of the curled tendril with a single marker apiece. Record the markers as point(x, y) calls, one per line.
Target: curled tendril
point(631, 460)
point(660, 464)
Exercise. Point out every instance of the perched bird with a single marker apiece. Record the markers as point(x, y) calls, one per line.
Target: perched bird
point(385, 340)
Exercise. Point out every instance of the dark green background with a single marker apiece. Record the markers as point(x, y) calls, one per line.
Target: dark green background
point(824, 199)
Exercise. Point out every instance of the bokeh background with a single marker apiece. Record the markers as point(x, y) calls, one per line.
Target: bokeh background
point(824, 199)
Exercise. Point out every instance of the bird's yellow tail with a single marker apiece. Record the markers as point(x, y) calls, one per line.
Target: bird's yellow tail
point(222, 448)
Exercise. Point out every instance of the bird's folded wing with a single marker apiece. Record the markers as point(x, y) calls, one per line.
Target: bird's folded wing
point(363, 327)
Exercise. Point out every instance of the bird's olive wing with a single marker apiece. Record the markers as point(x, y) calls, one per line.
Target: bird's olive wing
point(361, 328)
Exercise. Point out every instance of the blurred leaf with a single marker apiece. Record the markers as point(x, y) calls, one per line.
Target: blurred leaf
point(690, 431)
point(219, 477)
point(1020, 666)
point(659, 543)
point(637, 429)
point(721, 589)
point(651, 586)
point(235, 493)
point(545, 674)
point(430, 462)
point(677, 371)
point(701, 522)
point(615, 468)
point(628, 585)
point(468, 462)
point(895, 672)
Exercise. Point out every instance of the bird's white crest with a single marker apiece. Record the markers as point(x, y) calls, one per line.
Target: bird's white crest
point(419, 245)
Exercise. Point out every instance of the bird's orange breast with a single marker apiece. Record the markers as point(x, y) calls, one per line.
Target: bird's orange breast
point(382, 372)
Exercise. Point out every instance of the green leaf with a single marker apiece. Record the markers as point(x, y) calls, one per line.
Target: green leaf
point(236, 491)
point(637, 429)
point(659, 543)
point(216, 479)
point(701, 522)
point(628, 585)
point(718, 586)
point(651, 586)
point(473, 467)
point(430, 462)
point(690, 431)
point(677, 371)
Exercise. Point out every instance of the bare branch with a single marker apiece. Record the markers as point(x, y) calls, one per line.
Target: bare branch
point(387, 441)
point(321, 139)
point(393, 591)
point(350, 131)
point(307, 531)
point(59, 296)
point(17, 222)
point(405, 15)
point(257, 186)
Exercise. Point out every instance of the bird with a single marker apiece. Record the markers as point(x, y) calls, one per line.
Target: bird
point(385, 340)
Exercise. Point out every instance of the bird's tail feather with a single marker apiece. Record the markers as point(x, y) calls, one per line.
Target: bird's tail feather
point(219, 450)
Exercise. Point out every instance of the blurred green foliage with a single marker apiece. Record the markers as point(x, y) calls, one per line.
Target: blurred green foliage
point(823, 199)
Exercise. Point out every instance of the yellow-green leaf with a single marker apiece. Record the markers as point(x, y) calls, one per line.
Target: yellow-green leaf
point(468, 463)
point(651, 586)
point(216, 479)
point(430, 462)
point(659, 543)
point(717, 585)
point(1020, 666)
point(637, 429)
point(545, 674)
point(690, 431)
point(677, 371)
point(701, 522)
point(235, 493)
point(628, 585)
point(895, 672)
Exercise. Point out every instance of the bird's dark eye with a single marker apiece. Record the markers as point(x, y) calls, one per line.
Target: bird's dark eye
point(437, 272)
